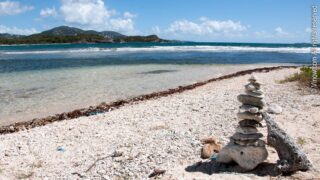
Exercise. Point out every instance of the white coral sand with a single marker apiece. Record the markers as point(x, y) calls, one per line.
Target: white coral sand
point(164, 133)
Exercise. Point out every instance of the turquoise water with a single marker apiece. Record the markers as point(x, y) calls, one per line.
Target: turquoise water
point(41, 80)
point(41, 57)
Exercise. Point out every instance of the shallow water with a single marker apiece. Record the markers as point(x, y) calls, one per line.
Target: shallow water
point(31, 94)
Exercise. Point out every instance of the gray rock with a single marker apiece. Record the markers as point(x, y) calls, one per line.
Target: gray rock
point(292, 157)
point(249, 108)
point(256, 84)
point(252, 78)
point(245, 137)
point(245, 142)
point(247, 157)
point(250, 142)
point(246, 130)
point(250, 87)
point(250, 100)
point(247, 115)
point(274, 109)
point(253, 86)
point(258, 92)
point(254, 94)
point(249, 122)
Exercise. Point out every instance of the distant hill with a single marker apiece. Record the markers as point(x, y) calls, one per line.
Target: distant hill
point(62, 31)
point(66, 34)
point(151, 38)
point(71, 31)
point(112, 34)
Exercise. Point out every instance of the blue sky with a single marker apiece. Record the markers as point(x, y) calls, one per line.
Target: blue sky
point(197, 20)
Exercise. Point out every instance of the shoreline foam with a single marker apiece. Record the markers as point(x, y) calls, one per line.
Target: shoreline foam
point(196, 48)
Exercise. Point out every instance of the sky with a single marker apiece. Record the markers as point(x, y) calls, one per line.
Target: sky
point(272, 21)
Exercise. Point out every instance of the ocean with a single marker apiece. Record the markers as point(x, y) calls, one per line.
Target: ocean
point(41, 80)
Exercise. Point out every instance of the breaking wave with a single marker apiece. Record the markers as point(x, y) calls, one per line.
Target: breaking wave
point(164, 49)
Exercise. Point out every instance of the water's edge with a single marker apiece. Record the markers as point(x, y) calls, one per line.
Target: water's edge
point(104, 107)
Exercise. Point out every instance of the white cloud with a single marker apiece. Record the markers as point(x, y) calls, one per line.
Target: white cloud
point(93, 14)
point(48, 12)
point(121, 24)
point(129, 15)
point(280, 32)
point(13, 8)
point(277, 34)
point(222, 26)
point(206, 26)
point(15, 30)
point(185, 27)
point(84, 12)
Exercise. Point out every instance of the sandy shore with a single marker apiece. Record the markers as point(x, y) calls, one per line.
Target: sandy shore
point(164, 133)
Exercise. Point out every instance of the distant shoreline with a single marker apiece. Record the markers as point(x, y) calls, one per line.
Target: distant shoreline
point(93, 43)
point(65, 34)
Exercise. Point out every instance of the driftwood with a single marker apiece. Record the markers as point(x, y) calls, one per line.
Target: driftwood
point(291, 156)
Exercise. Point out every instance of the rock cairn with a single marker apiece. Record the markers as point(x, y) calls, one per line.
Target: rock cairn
point(245, 146)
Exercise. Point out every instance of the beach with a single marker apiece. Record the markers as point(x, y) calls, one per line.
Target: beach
point(164, 133)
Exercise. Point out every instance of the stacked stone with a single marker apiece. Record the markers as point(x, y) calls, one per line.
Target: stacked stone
point(250, 115)
point(245, 147)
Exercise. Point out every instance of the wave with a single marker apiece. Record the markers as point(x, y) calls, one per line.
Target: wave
point(165, 49)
